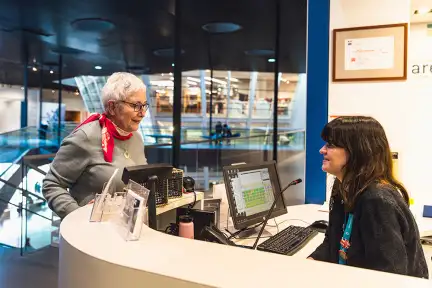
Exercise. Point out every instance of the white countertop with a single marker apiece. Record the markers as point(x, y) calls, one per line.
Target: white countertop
point(174, 203)
point(95, 255)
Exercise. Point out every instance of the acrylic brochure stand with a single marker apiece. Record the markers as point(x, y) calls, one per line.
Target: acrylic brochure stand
point(106, 206)
point(125, 210)
point(132, 215)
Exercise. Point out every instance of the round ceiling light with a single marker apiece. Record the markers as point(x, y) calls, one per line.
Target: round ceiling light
point(66, 50)
point(260, 53)
point(221, 27)
point(96, 25)
point(137, 69)
point(166, 52)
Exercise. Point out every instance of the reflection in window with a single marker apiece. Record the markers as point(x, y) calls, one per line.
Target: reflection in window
point(243, 100)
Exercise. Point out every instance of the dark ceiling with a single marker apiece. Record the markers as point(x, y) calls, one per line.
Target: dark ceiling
point(135, 29)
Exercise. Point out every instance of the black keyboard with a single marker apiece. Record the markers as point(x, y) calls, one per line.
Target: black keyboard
point(288, 241)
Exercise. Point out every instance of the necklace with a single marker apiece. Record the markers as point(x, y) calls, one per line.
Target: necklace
point(126, 152)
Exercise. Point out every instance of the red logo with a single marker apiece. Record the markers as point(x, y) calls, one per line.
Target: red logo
point(345, 244)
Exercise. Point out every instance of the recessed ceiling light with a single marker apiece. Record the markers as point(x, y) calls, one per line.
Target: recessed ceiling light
point(66, 51)
point(422, 11)
point(271, 60)
point(137, 69)
point(260, 53)
point(51, 72)
point(221, 27)
point(98, 67)
point(34, 69)
point(166, 52)
point(172, 64)
point(96, 25)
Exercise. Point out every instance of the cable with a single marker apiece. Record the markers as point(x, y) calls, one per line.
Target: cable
point(191, 205)
point(233, 235)
point(229, 211)
point(298, 220)
point(277, 226)
point(274, 226)
point(265, 237)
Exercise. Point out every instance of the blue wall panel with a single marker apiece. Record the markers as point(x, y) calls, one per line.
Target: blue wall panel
point(317, 97)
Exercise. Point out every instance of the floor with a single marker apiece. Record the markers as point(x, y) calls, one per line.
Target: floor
point(36, 228)
point(37, 269)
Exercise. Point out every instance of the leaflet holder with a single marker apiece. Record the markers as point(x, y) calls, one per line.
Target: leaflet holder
point(106, 204)
point(149, 176)
point(131, 217)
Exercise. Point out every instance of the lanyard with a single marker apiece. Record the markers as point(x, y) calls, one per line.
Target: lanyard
point(344, 243)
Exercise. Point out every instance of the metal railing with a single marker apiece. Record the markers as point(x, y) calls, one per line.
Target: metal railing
point(201, 159)
point(29, 208)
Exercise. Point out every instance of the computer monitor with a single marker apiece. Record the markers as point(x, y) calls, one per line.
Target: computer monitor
point(251, 190)
point(141, 173)
point(151, 176)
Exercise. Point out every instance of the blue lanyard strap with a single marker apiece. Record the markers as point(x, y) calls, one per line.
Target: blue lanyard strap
point(345, 241)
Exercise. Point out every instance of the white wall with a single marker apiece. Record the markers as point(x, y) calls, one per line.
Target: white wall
point(388, 102)
point(10, 115)
point(298, 104)
point(418, 117)
point(73, 102)
point(10, 106)
point(10, 109)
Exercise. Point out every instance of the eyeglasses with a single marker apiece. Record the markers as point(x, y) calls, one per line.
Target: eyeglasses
point(137, 106)
point(330, 146)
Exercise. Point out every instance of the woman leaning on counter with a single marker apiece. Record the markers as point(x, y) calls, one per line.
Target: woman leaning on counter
point(90, 154)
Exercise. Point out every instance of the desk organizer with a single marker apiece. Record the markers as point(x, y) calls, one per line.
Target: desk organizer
point(161, 195)
point(175, 184)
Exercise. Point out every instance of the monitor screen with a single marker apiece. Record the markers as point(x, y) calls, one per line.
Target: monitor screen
point(251, 190)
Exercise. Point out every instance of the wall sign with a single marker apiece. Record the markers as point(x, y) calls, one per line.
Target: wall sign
point(372, 53)
point(423, 69)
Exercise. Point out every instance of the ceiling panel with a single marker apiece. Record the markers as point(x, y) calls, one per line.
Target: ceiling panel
point(45, 27)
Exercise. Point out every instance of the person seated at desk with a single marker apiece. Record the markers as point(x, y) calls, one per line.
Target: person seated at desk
point(370, 224)
point(88, 157)
point(226, 131)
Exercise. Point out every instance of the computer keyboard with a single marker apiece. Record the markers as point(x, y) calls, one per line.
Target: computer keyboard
point(288, 241)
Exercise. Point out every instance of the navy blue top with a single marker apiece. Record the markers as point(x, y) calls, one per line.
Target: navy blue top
point(384, 236)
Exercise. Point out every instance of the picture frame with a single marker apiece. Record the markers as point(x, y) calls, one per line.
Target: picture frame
point(370, 53)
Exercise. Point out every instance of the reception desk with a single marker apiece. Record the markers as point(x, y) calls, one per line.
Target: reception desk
point(94, 255)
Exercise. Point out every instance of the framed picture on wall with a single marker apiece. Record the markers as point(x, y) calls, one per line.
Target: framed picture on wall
point(372, 53)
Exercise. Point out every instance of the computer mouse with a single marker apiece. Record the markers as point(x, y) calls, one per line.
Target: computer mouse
point(320, 225)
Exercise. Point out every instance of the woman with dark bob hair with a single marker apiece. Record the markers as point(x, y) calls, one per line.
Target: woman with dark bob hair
point(370, 224)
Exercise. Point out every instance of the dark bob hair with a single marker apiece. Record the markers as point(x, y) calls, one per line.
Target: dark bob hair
point(369, 157)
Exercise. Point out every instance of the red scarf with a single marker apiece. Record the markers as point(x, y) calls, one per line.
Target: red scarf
point(108, 132)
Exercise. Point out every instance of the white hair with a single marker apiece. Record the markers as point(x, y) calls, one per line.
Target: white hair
point(119, 86)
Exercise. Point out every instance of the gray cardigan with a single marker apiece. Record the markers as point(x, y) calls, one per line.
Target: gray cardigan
point(79, 167)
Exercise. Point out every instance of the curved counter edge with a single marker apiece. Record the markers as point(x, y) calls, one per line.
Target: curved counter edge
point(94, 255)
point(78, 269)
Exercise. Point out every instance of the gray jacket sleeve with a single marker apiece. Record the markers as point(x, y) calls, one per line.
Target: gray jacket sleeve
point(69, 163)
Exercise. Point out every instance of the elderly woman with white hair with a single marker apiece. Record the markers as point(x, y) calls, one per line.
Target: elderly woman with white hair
point(90, 154)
